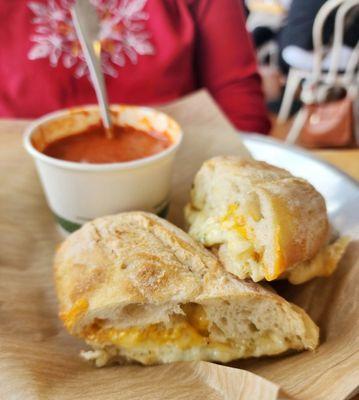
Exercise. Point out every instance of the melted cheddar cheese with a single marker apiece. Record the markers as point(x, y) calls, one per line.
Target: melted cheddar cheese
point(232, 221)
point(196, 317)
point(323, 264)
point(236, 223)
point(183, 332)
point(70, 317)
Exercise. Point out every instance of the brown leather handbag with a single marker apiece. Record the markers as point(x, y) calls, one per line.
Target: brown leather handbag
point(328, 124)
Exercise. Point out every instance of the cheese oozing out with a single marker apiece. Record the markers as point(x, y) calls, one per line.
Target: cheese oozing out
point(240, 249)
point(196, 332)
point(184, 331)
point(243, 251)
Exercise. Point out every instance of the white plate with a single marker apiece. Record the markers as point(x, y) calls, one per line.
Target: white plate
point(340, 191)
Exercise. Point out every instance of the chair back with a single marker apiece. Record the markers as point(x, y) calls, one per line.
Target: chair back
point(328, 7)
point(338, 44)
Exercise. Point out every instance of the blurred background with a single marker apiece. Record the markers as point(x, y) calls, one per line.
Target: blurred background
point(288, 68)
point(307, 51)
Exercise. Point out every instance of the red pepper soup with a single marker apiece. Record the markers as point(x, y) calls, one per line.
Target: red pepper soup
point(93, 146)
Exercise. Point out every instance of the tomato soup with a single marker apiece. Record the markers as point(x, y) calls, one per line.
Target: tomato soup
point(93, 146)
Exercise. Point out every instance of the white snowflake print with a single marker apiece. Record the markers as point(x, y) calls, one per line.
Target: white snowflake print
point(122, 34)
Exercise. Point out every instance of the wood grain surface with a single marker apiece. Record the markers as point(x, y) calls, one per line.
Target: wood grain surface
point(39, 360)
point(346, 160)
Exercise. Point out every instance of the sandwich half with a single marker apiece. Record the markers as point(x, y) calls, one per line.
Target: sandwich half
point(263, 222)
point(138, 289)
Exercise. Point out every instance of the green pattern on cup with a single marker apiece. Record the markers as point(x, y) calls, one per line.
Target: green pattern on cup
point(69, 226)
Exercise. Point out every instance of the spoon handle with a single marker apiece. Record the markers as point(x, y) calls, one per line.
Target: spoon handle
point(87, 27)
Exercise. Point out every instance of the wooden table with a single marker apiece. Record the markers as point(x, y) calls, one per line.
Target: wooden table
point(346, 160)
point(28, 302)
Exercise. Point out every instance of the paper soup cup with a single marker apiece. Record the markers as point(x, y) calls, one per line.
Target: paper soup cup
point(79, 192)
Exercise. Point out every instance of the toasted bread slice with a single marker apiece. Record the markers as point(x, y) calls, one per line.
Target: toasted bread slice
point(138, 289)
point(263, 223)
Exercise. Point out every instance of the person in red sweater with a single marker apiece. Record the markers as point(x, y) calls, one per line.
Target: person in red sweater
point(153, 51)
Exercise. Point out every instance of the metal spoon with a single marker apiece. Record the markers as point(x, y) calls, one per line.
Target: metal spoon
point(87, 28)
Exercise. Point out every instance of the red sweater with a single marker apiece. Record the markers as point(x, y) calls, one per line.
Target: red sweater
point(153, 51)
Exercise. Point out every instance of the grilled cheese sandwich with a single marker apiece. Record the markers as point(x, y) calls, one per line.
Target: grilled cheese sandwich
point(137, 289)
point(263, 223)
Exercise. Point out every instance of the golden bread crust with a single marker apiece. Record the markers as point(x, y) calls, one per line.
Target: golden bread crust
point(290, 225)
point(138, 258)
point(121, 273)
